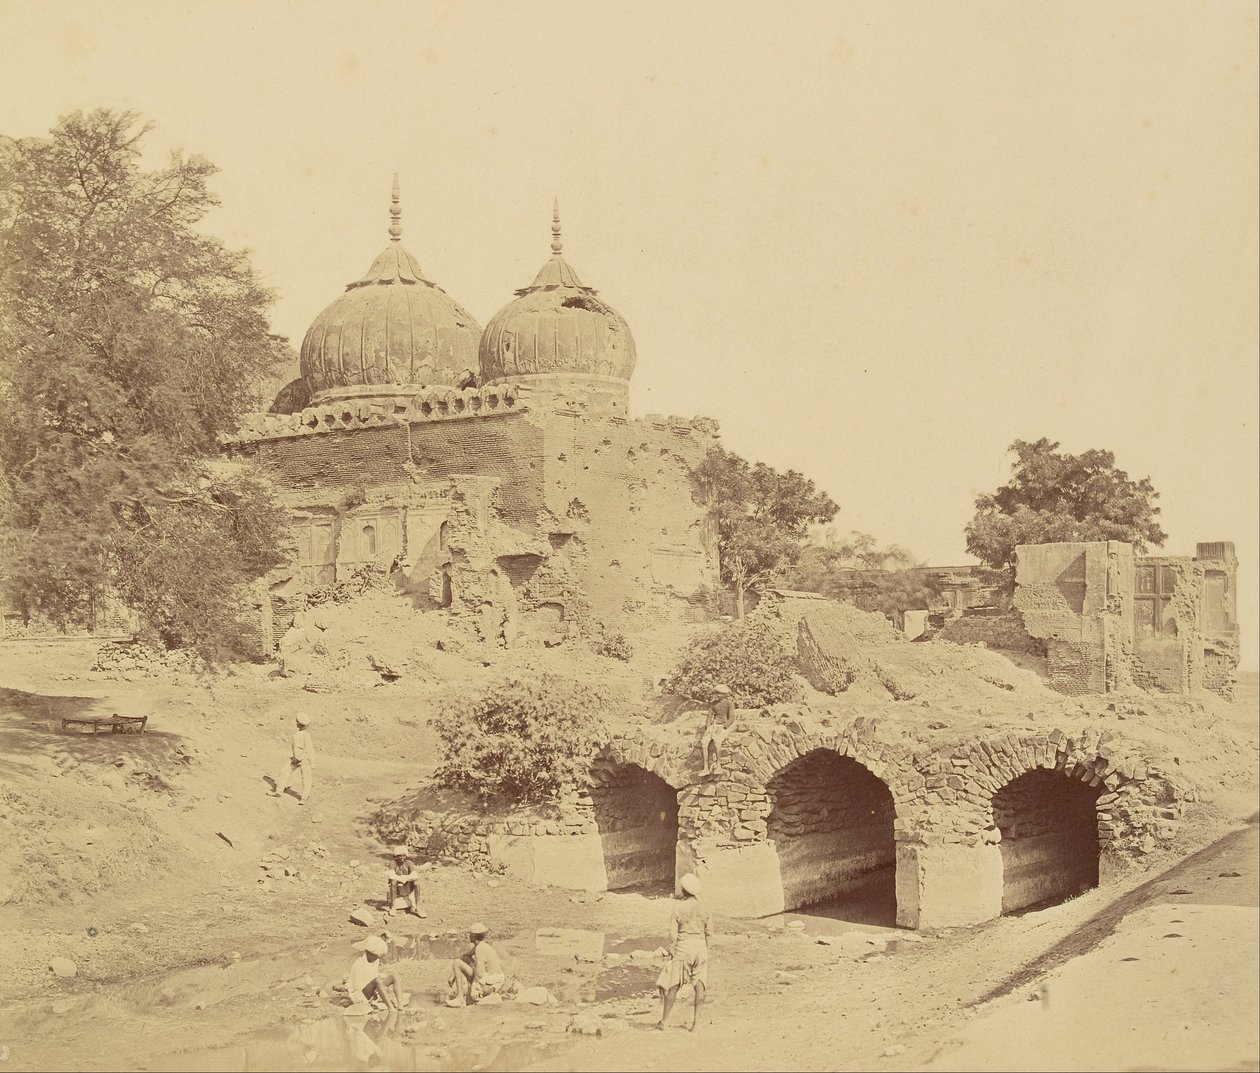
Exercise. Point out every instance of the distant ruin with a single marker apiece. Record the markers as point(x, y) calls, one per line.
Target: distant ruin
point(1112, 620)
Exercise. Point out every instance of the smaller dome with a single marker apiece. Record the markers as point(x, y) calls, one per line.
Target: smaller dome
point(556, 325)
point(392, 327)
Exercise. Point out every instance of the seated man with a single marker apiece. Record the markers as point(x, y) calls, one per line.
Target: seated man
point(477, 972)
point(366, 983)
point(404, 885)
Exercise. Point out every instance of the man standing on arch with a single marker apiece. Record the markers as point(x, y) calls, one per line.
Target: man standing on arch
point(721, 719)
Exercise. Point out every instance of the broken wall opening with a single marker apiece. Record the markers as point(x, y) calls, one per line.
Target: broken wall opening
point(1049, 845)
point(831, 821)
point(636, 813)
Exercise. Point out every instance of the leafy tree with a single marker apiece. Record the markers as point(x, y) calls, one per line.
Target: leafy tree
point(523, 739)
point(131, 342)
point(754, 658)
point(861, 551)
point(1054, 496)
point(858, 570)
point(762, 516)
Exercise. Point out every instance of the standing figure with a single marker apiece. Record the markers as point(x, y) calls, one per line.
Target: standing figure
point(301, 752)
point(689, 953)
point(721, 719)
point(404, 885)
point(477, 972)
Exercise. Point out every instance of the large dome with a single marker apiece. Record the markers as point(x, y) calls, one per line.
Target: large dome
point(392, 327)
point(556, 325)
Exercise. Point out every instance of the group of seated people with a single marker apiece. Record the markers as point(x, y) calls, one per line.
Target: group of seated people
point(477, 972)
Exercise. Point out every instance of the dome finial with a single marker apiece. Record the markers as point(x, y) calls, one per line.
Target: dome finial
point(555, 229)
point(395, 213)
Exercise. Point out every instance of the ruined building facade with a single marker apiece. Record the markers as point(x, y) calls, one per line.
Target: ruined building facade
point(496, 473)
point(1111, 620)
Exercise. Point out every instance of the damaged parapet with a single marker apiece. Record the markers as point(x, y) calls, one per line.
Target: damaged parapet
point(437, 403)
point(1111, 620)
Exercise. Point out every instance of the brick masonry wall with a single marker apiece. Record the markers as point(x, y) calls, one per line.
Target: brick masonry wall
point(1003, 632)
point(340, 460)
point(948, 796)
point(626, 489)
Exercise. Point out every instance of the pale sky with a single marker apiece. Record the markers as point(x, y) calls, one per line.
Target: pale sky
point(876, 241)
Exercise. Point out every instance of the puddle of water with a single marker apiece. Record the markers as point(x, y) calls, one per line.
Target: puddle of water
point(424, 947)
point(625, 981)
point(570, 943)
point(380, 1042)
point(638, 942)
point(873, 907)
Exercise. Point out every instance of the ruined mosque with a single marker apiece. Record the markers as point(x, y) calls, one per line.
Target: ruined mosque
point(496, 473)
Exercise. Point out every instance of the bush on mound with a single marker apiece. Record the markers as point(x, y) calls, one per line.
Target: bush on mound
point(755, 658)
point(523, 739)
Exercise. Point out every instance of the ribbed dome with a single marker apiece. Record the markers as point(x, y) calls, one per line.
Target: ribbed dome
point(556, 325)
point(393, 326)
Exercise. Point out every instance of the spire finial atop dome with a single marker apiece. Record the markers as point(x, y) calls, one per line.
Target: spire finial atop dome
point(395, 213)
point(555, 229)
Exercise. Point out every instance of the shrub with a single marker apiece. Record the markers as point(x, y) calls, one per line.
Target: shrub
point(614, 645)
point(753, 657)
point(362, 579)
point(522, 739)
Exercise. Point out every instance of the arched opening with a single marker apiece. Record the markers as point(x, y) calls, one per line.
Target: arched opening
point(369, 541)
point(637, 816)
point(1049, 840)
point(446, 588)
point(831, 821)
point(444, 535)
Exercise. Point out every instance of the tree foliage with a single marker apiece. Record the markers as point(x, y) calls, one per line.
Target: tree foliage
point(762, 516)
point(523, 739)
point(1054, 496)
point(753, 657)
point(857, 569)
point(131, 341)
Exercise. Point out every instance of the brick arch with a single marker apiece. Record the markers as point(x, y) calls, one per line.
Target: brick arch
point(769, 758)
point(650, 756)
point(831, 821)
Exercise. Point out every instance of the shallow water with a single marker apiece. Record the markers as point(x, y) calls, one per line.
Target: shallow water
point(874, 906)
point(395, 1042)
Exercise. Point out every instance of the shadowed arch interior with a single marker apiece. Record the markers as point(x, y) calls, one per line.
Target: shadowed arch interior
point(1049, 827)
point(637, 816)
point(831, 821)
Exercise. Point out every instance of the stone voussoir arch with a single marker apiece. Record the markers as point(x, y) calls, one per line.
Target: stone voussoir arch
point(643, 751)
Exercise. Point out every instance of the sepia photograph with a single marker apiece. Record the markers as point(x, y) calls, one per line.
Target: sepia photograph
point(701, 536)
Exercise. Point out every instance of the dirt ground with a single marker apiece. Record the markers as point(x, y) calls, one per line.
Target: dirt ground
point(139, 860)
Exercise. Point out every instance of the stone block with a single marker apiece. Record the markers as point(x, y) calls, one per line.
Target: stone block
point(947, 885)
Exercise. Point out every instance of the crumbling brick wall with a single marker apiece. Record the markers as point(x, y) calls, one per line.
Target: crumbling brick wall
point(602, 509)
point(1002, 631)
point(624, 489)
point(1070, 598)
